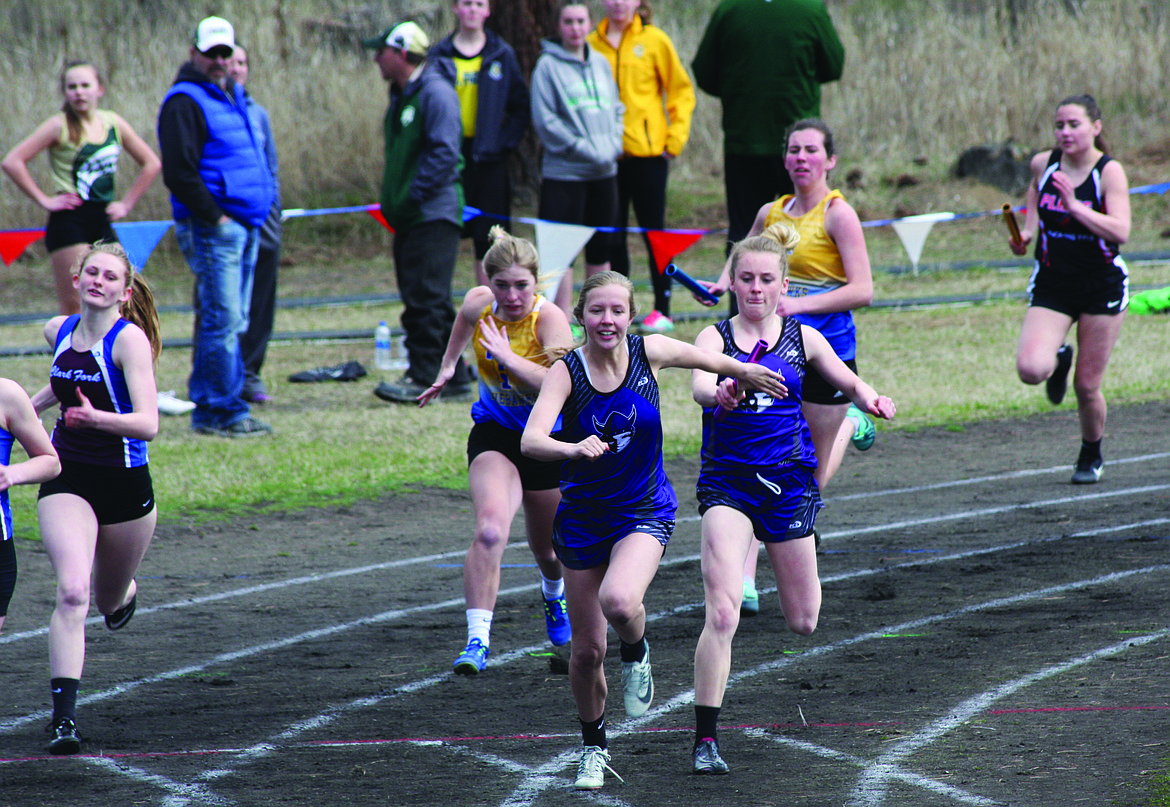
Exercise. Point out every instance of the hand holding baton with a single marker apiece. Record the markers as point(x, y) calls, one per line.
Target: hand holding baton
point(1013, 228)
point(695, 286)
point(759, 350)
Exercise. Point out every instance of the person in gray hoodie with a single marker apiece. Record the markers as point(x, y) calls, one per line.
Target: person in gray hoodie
point(577, 114)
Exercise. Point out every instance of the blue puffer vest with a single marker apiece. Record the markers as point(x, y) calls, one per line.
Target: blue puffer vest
point(233, 167)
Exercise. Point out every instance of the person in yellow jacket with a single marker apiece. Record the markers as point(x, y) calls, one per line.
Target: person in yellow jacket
point(659, 99)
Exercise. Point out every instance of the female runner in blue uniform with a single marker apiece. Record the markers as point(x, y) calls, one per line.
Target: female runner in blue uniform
point(97, 518)
point(18, 423)
point(757, 476)
point(512, 325)
point(829, 276)
point(1078, 214)
point(617, 506)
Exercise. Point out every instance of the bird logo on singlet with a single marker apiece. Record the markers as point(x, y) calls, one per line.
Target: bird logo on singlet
point(618, 430)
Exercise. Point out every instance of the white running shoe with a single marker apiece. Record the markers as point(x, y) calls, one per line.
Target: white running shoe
point(168, 404)
point(591, 770)
point(637, 685)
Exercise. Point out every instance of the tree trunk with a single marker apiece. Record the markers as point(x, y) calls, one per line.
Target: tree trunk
point(522, 24)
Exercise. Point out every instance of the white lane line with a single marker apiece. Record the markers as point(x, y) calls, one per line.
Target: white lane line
point(386, 616)
point(177, 794)
point(545, 775)
point(995, 511)
point(243, 592)
point(979, 480)
point(527, 791)
point(872, 789)
point(913, 779)
point(376, 567)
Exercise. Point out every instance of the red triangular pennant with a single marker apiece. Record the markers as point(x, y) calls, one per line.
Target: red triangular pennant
point(376, 212)
point(13, 243)
point(665, 244)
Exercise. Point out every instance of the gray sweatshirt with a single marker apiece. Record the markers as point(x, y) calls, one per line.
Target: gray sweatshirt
point(577, 114)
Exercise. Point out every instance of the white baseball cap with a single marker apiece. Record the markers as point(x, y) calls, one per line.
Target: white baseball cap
point(212, 32)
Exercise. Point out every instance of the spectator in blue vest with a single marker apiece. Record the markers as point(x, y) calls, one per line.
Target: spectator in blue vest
point(214, 165)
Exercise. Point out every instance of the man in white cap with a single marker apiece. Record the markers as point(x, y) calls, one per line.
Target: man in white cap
point(422, 199)
point(221, 191)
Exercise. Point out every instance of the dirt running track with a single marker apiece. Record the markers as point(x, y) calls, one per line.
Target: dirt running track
point(990, 635)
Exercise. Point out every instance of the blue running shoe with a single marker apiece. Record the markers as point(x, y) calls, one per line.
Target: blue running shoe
point(472, 660)
point(863, 432)
point(556, 621)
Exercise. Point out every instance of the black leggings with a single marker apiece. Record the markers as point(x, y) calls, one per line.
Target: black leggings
point(7, 573)
point(642, 181)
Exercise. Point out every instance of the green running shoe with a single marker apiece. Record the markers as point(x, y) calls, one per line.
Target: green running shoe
point(864, 432)
point(750, 604)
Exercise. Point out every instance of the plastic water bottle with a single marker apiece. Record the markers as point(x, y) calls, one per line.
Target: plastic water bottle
point(382, 359)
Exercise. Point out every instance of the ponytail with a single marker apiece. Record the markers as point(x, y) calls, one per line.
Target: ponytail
point(140, 309)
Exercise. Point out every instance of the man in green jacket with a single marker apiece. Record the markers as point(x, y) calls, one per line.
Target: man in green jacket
point(422, 200)
point(766, 61)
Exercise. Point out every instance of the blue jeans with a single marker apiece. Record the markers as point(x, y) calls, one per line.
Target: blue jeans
point(223, 258)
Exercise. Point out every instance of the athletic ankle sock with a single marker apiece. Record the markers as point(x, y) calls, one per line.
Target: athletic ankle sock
point(64, 697)
point(552, 589)
point(593, 732)
point(479, 625)
point(633, 652)
point(1090, 451)
point(706, 723)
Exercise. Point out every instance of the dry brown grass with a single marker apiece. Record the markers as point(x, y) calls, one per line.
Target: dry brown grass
point(921, 79)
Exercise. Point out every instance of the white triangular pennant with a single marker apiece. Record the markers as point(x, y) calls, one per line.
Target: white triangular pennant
point(558, 245)
point(913, 231)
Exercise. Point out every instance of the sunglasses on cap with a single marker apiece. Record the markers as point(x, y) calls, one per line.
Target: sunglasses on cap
point(219, 52)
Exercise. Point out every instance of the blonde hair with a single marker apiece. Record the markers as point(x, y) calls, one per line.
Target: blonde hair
point(607, 278)
point(507, 250)
point(140, 309)
point(778, 239)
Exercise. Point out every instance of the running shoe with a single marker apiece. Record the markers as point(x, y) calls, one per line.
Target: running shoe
point(247, 427)
point(657, 322)
point(1057, 383)
point(705, 759)
point(750, 604)
point(66, 740)
point(169, 404)
point(592, 767)
point(637, 685)
point(1088, 471)
point(118, 619)
point(864, 432)
point(473, 659)
point(556, 621)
